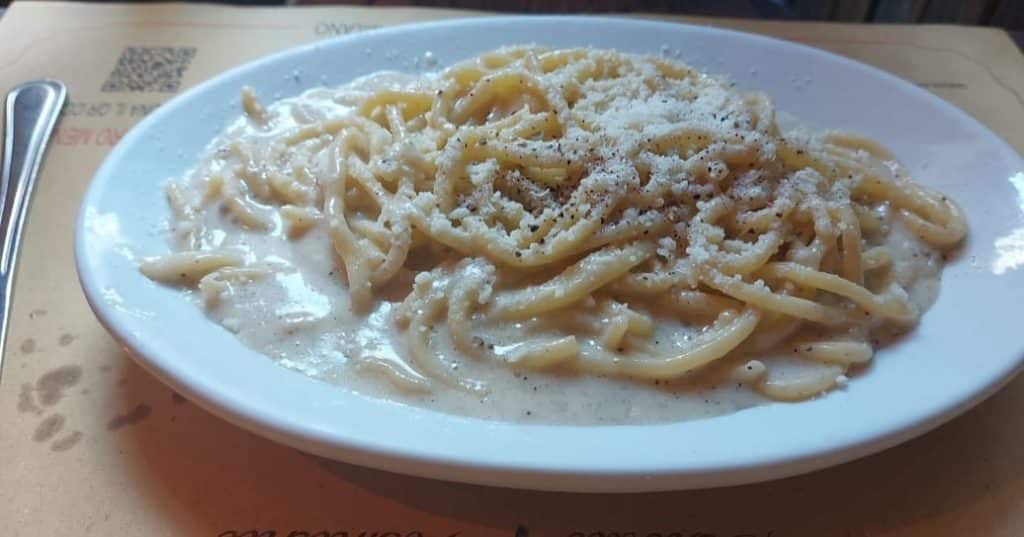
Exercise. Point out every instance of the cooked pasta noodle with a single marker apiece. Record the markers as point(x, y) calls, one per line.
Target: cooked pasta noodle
point(575, 212)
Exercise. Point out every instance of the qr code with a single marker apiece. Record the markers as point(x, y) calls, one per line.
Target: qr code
point(156, 69)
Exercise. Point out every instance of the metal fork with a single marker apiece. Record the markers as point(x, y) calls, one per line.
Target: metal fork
point(32, 111)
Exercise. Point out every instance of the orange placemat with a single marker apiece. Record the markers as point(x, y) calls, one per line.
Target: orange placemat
point(92, 445)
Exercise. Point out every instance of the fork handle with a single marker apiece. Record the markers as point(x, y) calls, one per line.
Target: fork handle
point(32, 111)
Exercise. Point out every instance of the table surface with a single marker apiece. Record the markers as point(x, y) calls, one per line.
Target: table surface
point(91, 444)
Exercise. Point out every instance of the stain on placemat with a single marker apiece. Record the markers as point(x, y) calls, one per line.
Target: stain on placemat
point(48, 428)
point(27, 401)
point(49, 390)
point(65, 340)
point(28, 346)
point(136, 415)
point(67, 442)
point(51, 386)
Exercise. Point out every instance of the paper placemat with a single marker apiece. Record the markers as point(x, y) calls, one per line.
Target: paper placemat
point(92, 445)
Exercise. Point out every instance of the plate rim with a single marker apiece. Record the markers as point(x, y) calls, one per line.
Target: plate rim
point(495, 472)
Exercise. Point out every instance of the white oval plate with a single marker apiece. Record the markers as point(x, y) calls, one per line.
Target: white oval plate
point(965, 348)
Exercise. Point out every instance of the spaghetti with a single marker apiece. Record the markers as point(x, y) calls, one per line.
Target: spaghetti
point(581, 211)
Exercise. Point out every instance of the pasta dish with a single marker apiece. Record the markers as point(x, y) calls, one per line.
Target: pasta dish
point(578, 235)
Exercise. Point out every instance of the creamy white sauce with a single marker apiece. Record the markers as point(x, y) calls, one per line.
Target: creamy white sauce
point(302, 319)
